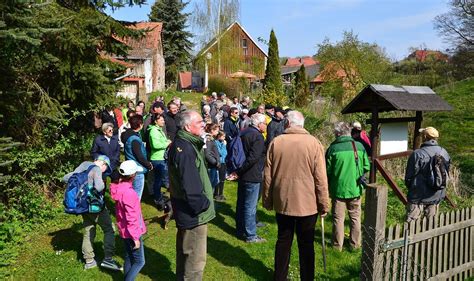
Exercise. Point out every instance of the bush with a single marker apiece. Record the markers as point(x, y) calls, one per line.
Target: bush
point(33, 192)
point(219, 83)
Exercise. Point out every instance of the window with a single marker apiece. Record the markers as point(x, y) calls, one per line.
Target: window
point(244, 46)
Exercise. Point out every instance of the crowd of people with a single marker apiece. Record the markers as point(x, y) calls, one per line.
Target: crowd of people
point(187, 153)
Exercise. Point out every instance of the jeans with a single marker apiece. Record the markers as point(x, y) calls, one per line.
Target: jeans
point(90, 222)
point(138, 184)
point(213, 177)
point(304, 228)
point(160, 170)
point(247, 197)
point(134, 259)
point(191, 251)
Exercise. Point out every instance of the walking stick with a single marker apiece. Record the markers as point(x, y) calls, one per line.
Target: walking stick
point(324, 243)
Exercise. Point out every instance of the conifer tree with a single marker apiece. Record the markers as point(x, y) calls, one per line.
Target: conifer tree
point(301, 87)
point(273, 86)
point(176, 40)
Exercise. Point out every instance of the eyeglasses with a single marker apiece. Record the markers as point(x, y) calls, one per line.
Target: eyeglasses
point(109, 131)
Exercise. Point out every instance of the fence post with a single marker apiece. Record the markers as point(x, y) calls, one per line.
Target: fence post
point(373, 232)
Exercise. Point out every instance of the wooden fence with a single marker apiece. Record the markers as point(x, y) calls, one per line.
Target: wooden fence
point(440, 248)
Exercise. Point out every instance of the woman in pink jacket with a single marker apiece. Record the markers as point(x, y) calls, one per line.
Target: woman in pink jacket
point(129, 218)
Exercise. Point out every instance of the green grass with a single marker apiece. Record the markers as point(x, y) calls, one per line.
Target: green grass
point(55, 253)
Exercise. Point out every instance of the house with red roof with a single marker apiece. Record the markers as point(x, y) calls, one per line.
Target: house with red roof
point(292, 65)
point(144, 62)
point(238, 51)
point(423, 55)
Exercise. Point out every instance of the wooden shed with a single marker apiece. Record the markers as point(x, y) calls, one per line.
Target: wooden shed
point(376, 98)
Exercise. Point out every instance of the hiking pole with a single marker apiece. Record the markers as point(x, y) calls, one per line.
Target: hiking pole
point(324, 243)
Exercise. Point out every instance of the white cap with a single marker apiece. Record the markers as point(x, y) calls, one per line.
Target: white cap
point(357, 125)
point(129, 167)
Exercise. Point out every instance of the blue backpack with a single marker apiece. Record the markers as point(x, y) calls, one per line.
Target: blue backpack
point(76, 199)
point(236, 154)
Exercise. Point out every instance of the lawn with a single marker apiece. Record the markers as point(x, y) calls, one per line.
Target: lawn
point(55, 252)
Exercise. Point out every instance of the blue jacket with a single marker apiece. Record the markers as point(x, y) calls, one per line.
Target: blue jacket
point(221, 147)
point(102, 147)
point(416, 174)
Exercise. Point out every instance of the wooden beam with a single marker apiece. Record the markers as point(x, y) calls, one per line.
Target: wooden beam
point(416, 139)
point(393, 120)
point(390, 181)
point(374, 139)
point(395, 155)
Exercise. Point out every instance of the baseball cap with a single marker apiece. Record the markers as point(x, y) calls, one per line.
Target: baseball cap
point(129, 167)
point(107, 161)
point(430, 132)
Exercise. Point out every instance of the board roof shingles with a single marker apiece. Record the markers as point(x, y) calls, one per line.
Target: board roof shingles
point(395, 98)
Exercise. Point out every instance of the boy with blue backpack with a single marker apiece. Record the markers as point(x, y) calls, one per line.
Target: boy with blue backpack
point(87, 179)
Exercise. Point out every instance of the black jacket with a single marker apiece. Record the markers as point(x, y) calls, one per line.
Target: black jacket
point(213, 158)
point(171, 126)
point(187, 190)
point(274, 129)
point(107, 118)
point(102, 147)
point(254, 148)
point(231, 129)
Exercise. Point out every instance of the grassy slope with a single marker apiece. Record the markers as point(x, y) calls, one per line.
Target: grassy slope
point(457, 127)
point(55, 253)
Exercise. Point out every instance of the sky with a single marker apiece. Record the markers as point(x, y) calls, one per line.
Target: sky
point(300, 25)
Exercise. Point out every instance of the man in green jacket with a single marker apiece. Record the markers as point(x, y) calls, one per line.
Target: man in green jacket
point(346, 163)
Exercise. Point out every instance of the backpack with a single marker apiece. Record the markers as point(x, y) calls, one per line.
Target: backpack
point(437, 172)
point(236, 154)
point(77, 197)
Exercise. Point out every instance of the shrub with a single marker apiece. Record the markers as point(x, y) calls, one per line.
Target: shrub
point(219, 83)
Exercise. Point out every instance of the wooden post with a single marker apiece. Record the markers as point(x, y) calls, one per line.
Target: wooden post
point(372, 265)
point(374, 139)
point(416, 139)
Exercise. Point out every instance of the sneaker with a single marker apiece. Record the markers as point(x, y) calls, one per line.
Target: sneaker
point(256, 239)
point(111, 264)
point(90, 265)
point(260, 224)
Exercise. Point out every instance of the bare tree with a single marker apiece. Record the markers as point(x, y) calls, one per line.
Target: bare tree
point(210, 18)
point(457, 25)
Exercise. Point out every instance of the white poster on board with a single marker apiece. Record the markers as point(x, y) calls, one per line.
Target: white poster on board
point(393, 138)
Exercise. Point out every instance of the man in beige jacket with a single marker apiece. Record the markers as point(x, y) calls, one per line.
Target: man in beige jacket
point(296, 187)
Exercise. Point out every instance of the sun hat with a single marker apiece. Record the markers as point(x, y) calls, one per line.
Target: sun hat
point(430, 132)
point(106, 161)
point(129, 167)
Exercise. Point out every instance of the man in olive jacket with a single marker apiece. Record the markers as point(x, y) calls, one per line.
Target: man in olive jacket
point(295, 186)
point(191, 196)
point(345, 188)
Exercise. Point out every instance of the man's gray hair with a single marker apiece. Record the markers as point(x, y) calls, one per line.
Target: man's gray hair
point(342, 129)
point(186, 118)
point(206, 108)
point(295, 118)
point(257, 118)
point(105, 126)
